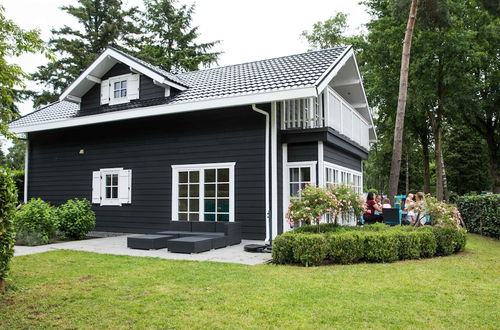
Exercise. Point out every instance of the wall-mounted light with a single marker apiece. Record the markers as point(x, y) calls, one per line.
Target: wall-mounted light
point(82, 152)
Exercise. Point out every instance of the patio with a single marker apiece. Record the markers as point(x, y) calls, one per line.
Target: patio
point(118, 246)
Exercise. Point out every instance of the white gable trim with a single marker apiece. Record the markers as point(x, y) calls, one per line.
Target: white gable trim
point(123, 59)
point(171, 108)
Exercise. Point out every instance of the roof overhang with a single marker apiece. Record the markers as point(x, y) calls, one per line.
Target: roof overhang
point(100, 66)
point(164, 109)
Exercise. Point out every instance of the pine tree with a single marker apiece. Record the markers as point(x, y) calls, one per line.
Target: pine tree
point(102, 23)
point(169, 39)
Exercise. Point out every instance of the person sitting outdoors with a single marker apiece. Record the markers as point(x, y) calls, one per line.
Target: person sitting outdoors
point(386, 203)
point(409, 206)
point(378, 200)
point(369, 216)
point(420, 202)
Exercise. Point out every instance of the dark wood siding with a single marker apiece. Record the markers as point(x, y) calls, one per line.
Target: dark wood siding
point(91, 101)
point(149, 147)
point(300, 152)
point(340, 157)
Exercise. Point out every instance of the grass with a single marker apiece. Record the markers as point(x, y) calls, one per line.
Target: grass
point(68, 289)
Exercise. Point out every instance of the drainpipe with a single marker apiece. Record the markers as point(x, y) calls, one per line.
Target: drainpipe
point(268, 218)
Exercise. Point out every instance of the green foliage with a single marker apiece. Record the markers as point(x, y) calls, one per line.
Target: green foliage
point(328, 34)
point(169, 39)
point(373, 243)
point(75, 218)
point(14, 42)
point(310, 249)
point(15, 156)
point(8, 198)
point(314, 202)
point(380, 246)
point(481, 214)
point(36, 219)
point(347, 248)
point(102, 23)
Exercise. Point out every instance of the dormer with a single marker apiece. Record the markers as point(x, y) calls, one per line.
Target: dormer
point(117, 78)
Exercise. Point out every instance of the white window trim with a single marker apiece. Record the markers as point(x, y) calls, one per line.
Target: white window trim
point(109, 201)
point(112, 80)
point(343, 169)
point(201, 167)
point(286, 182)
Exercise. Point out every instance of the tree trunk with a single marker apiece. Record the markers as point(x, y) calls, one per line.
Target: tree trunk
point(407, 175)
point(426, 159)
point(438, 154)
point(2, 286)
point(400, 113)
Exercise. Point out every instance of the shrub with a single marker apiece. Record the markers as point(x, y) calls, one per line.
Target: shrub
point(428, 243)
point(446, 240)
point(310, 249)
point(8, 198)
point(409, 244)
point(75, 218)
point(481, 214)
point(380, 247)
point(460, 240)
point(283, 248)
point(346, 248)
point(35, 217)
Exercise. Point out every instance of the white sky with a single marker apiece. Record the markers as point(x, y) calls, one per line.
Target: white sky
point(248, 30)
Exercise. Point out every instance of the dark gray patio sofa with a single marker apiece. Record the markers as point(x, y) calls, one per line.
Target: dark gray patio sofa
point(191, 237)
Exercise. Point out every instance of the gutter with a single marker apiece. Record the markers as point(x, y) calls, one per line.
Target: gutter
point(268, 218)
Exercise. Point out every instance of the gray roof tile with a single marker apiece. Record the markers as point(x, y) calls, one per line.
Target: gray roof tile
point(288, 72)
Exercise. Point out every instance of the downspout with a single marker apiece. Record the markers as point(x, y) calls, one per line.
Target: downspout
point(26, 160)
point(268, 218)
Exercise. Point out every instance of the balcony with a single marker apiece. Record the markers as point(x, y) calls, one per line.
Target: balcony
point(328, 110)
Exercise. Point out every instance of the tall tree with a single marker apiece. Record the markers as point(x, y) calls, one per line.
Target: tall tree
point(102, 23)
point(400, 112)
point(15, 156)
point(328, 34)
point(14, 42)
point(169, 39)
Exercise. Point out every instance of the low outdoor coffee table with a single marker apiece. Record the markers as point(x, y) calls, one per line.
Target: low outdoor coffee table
point(148, 242)
point(190, 244)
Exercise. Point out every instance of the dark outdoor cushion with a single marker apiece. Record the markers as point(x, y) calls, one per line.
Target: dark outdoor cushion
point(203, 226)
point(180, 226)
point(176, 233)
point(205, 234)
point(220, 227)
point(191, 244)
point(148, 242)
point(391, 215)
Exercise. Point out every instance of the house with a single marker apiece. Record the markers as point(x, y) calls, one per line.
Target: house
point(224, 144)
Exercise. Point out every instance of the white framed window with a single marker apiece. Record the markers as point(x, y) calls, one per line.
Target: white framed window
point(120, 89)
point(203, 192)
point(336, 174)
point(112, 186)
point(299, 174)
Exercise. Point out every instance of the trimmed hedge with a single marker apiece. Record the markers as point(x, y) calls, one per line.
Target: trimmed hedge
point(8, 198)
point(374, 243)
point(481, 214)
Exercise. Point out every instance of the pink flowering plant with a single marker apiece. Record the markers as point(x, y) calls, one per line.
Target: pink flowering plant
point(348, 201)
point(442, 214)
point(311, 205)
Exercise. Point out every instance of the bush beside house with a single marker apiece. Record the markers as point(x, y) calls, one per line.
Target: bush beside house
point(37, 222)
point(481, 214)
point(373, 243)
point(8, 198)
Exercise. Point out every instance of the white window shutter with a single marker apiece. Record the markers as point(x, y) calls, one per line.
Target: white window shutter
point(96, 187)
point(125, 186)
point(105, 91)
point(133, 87)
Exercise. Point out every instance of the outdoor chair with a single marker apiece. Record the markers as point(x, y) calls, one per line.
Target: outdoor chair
point(391, 216)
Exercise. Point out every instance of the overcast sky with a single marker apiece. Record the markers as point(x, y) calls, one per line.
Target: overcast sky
point(248, 30)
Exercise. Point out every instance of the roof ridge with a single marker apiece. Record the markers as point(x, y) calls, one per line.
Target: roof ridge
point(266, 59)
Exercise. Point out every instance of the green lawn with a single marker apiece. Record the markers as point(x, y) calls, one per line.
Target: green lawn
point(67, 289)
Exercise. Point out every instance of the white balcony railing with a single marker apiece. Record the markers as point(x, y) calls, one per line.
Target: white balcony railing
point(335, 113)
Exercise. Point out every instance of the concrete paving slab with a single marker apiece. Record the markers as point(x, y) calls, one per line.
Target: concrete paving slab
point(118, 246)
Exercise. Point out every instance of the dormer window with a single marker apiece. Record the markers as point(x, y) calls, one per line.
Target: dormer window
point(120, 89)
